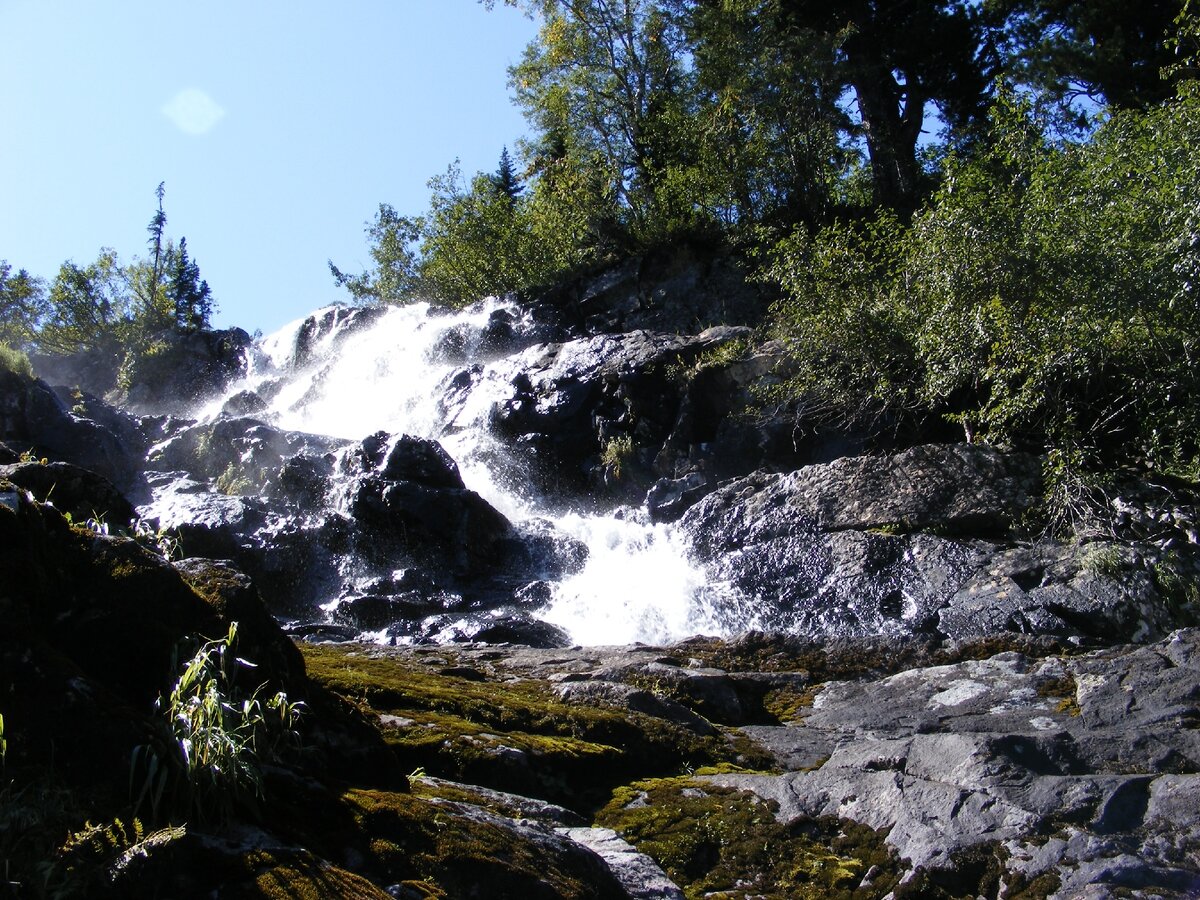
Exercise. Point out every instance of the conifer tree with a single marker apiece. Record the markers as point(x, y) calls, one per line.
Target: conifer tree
point(190, 295)
point(507, 182)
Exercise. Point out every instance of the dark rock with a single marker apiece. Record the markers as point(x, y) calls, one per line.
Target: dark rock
point(78, 492)
point(918, 542)
point(320, 333)
point(243, 403)
point(422, 461)
point(303, 480)
point(452, 525)
point(525, 631)
point(670, 498)
point(184, 369)
point(33, 418)
point(596, 411)
point(680, 289)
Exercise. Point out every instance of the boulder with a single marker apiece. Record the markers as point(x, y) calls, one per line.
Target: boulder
point(79, 492)
point(416, 502)
point(596, 411)
point(681, 289)
point(182, 369)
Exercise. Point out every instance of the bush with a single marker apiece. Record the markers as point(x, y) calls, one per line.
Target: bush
point(15, 361)
point(1045, 298)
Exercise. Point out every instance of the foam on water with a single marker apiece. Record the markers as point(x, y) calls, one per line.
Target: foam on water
point(637, 585)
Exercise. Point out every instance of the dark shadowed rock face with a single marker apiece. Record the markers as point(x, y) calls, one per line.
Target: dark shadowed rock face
point(593, 413)
point(684, 289)
point(33, 418)
point(73, 490)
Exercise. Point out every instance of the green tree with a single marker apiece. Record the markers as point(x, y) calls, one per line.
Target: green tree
point(393, 240)
point(607, 80)
point(769, 122)
point(899, 56)
point(1111, 51)
point(22, 306)
point(188, 294)
point(505, 180)
point(89, 308)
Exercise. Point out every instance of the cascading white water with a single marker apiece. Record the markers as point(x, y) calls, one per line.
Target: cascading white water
point(637, 584)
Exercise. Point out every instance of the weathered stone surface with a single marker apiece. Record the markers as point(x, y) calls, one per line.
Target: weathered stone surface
point(641, 876)
point(570, 404)
point(1099, 752)
point(74, 490)
point(683, 289)
point(33, 418)
point(920, 542)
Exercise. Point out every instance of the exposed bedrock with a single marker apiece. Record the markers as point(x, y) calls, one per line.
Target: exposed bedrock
point(1086, 769)
point(927, 541)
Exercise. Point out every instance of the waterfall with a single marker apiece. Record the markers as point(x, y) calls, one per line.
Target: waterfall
point(431, 374)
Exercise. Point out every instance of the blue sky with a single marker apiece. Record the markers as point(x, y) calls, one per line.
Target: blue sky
point(278, 128)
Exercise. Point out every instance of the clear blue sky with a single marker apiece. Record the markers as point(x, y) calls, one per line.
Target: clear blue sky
point(277, 126)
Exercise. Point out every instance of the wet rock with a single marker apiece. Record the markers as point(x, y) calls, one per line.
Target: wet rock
point(523, 630)
point(596, 410)
point(243, 403)
point(245, 453)
point(920, 542)
point(328, 327)
point(304, 481)
point(670, 498)
point(641, 876)
point(183, 370)
point(33, 418)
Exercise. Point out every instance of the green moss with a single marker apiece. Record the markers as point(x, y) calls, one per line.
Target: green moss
point(1065, 690)
point(459, 729)
point(715, 841)
point(784, 704)
point(873, 658)
point(303, 877)
point(434, 842)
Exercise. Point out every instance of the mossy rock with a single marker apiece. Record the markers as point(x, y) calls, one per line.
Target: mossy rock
point(512, 735)
point(468, 852)
point(718, 842)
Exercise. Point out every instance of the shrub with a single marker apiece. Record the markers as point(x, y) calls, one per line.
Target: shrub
point(15, 361)
point(214, 736)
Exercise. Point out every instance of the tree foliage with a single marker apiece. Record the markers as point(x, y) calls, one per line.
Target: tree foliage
point(1044, 298)
point(1030, 283)
point(23, 305)
point(113, 309)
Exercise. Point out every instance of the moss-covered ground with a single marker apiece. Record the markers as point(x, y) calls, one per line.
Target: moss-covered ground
point(718, 842)
point(513, 734)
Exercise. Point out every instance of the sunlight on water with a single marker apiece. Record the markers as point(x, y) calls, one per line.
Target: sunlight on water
point(637, 584)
